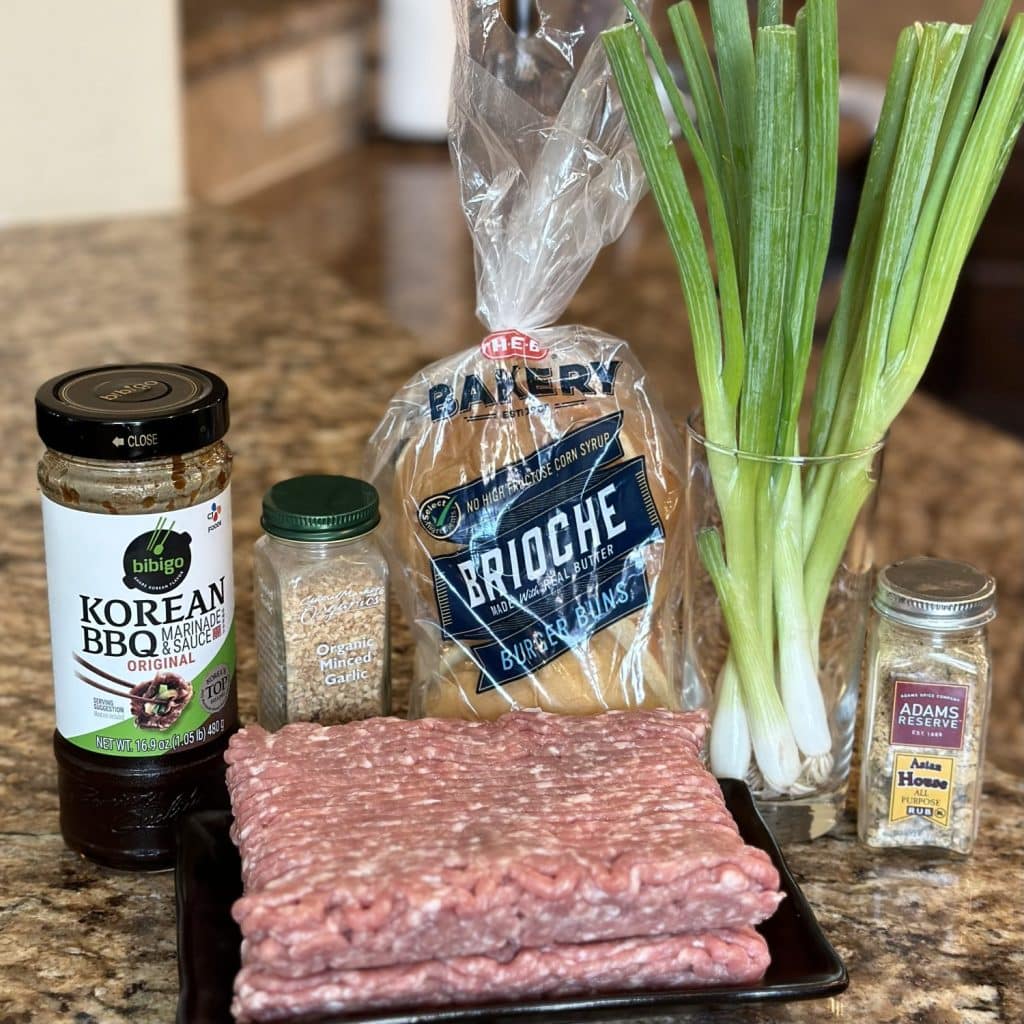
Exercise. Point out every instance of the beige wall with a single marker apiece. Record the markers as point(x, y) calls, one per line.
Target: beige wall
point(90, 122)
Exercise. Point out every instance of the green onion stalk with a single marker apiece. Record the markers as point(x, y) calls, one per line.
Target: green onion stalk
point(764, 143)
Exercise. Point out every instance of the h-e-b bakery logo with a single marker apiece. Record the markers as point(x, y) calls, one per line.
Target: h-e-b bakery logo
point(497, 388)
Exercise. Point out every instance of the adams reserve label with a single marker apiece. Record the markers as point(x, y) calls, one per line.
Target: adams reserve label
point(926, 714)
point(142, 627)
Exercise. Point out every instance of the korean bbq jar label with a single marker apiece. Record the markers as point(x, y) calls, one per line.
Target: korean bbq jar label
point(142, 623)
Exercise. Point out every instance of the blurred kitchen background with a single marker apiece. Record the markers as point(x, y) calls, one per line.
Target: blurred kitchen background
point(324, 121)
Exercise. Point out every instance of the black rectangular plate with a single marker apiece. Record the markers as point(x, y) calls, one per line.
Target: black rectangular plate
point(208, 877)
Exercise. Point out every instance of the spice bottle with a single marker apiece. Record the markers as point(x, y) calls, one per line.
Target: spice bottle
point(321, 601)
point(137, 525)
point(926, 712)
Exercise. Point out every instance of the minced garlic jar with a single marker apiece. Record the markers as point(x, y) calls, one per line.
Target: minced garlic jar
point(136, 499)
point(321, 582)
point(926, 709)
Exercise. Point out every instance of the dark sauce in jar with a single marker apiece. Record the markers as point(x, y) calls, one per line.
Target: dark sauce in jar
point(136, 500)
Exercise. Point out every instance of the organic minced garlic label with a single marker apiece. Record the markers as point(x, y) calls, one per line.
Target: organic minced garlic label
point(335, 631)
point(142, 623)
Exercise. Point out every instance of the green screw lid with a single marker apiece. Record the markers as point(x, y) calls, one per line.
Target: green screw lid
point(320, 508)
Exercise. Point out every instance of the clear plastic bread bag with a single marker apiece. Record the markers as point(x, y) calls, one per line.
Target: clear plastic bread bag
point(531, 485)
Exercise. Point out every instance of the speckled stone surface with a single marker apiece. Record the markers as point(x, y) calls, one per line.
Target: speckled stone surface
point(310, 367)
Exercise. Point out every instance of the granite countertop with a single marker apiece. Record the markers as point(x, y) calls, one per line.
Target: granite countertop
point(311, 367)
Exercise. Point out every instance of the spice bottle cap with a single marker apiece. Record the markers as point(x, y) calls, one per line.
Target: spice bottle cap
point(134, 412)
point(320, 508)
point(937, 594)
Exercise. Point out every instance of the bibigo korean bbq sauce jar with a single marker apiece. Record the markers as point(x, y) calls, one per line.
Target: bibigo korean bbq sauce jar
point(136, 502)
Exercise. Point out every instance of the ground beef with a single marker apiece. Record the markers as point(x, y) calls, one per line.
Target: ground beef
point(387, 842)
point(709, 958)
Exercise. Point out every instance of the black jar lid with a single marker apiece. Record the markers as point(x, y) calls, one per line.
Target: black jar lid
point(320, 508)
point(129, 413)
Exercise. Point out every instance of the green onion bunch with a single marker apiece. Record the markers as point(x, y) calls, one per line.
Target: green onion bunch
point(764, 142)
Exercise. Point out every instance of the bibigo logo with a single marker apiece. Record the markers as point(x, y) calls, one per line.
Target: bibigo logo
point(158, 560)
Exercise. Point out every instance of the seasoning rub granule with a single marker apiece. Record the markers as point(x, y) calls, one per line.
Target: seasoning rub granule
point(926, 712)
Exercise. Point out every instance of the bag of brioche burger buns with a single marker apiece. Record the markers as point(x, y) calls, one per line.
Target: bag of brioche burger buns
point(532, 484)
